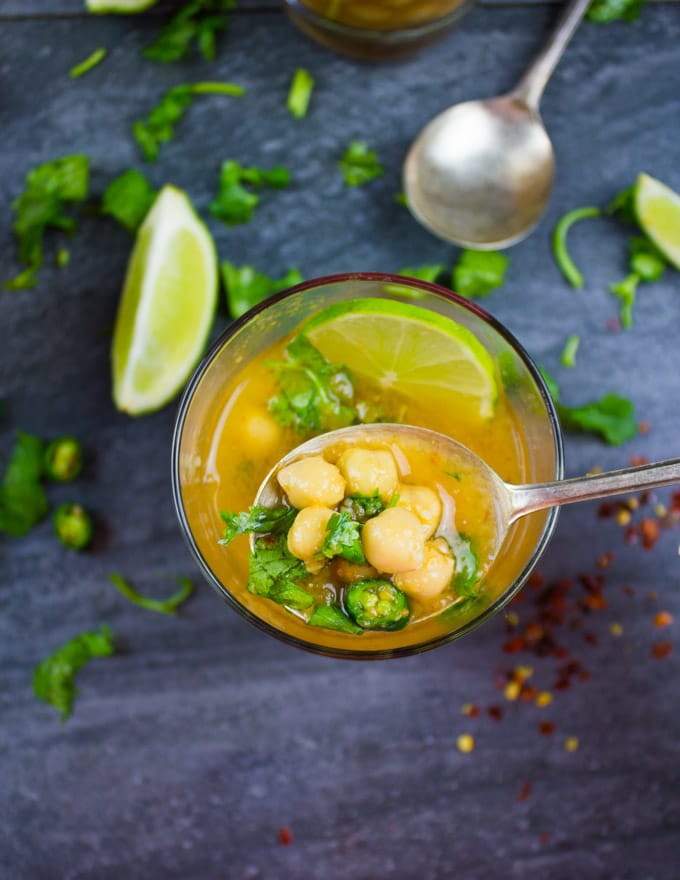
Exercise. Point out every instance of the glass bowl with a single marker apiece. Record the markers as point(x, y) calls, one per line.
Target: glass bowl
point(532, 454)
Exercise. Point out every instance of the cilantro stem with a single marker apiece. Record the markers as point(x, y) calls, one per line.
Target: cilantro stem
point(88, 63)
point(300, 93)
point(162, 606)
point(562, 258)
point(568, 358)
point(218, 88)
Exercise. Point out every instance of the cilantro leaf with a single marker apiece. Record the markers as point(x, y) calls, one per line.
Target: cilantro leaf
point(40, 207)
point(246, 287)
point(285, 592)
point(162, 606)
point(199, 21)
point(647, 263)
point(562, 257)
point(362, 507)
point(603, 11)
point(467, 566)
point(359, 165)
point(313, 393)
point(626, 291)
point(623, 205)
point(86, 66)
point(234, 203)
point(343, 538)
point(260, 520)
point(333, 617)
point(128, 198)
point(477, 273)
point(22, 499)
point(273, 568)
point(54, 678)
point(300, 93)
point(159, 126)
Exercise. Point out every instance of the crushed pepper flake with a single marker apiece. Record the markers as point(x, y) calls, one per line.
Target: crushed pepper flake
point(571, 744)
point(661, 650)
point(623, 517)
point(543, 699)
point(495, 712)
point(465, 743)
point(522, 673)
point(470, 709)
point(285, 836)
point(616, 629)
point(663, 618)
point(525, 791)
point(643, 426)
point(605, 560)
point(546, 728)
point(650, 532)
point(544, 837)
point(512, 690)
point(512, 618)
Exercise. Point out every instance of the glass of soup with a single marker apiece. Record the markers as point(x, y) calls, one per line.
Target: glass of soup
point(376, 28)
point(306, 362)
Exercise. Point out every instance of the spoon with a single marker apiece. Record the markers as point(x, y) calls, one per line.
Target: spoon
point(480, 174)
point(512, 501)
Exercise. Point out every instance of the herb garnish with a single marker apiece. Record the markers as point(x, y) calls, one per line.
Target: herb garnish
point(200, 21)
point(274, 570)
point(333, 617)
point(54, 678)
point(478, 273)
point(359, 165)
point(41, 206)
point(128, 198)
point(362, 507)
point(647, 263)
point(23, 503)
point(246, 287)
point(161, 606)
point(343, 539)
point(300, 93)
point(86, 66)
point(234, 203)
point(159, 126)
point(603, 11)
point(260, 520)
point(562, 258)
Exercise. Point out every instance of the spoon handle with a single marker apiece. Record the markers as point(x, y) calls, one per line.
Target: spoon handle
point(530, 87)
point(525, 499)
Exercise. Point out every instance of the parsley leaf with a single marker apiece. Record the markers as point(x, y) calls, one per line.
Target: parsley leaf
point(477, 273)
point(343, 539)
point(362, 507)
point(562, 257)
point(300, 93)
point(274, 570)
point(86, 66)
point(234, 203)
point(313, 393)
point(333, 617)
point(22, 499)
point(246, 287)
point(261, 520)
point(159, 126)
point(54, 678)
point(200, 21)
point(603, 11)
point(128, 198)
point(161, 606)
point(359, 165)
point(41, 206)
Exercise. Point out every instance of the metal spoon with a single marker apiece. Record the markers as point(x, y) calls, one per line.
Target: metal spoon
point(512, 501)
point(480, 174)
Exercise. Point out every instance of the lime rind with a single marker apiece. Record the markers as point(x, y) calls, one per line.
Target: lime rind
point(418, 352)
point(154, 352)
point(657, 208)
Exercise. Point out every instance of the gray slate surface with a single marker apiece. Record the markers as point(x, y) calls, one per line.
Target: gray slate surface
point(190, 749)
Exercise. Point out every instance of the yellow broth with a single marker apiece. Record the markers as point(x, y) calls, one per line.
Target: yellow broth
point(383, 15)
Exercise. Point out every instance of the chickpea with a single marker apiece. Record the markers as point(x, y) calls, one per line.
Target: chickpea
point(369, 469)
point(348, 571)
point(306, 536)
point(433, 576)
point(393, 541)
point(312, 481)
point(424, 503)
point(260, 432)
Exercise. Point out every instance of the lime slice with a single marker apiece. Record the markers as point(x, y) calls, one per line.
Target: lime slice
point(418, 353)
point(167, 307)
point(658, 212)
point(123, 7)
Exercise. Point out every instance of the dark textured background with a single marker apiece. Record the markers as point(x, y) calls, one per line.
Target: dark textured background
point(190, 749)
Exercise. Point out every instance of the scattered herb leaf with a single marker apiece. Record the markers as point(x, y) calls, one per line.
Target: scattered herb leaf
point(359, 165)
point(604, 11)
point(246, 287)
point(199, 21)
point(478, 273)
point(161, 606)
point(300, 93)
point(234, 203)
point(128, 198)
point(86, 66)
point(562, 258)
point(23, 503)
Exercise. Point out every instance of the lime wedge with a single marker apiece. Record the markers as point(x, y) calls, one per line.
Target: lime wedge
point(658, 212)
point(414, 351)
point(167, 306)
point(123, 7)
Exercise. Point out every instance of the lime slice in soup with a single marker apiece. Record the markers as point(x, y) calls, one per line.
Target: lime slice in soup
point(412, 350)
point(167, 306)
point(118, 6)
point(658, 211)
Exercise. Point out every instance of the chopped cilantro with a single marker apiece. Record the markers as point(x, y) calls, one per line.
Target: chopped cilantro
point(343, 539)
point(333, 617)
point(274, 570)
point(23, 503)
point(287, 593)
point(40, 207)
point(159, 127)
point(86, 66)
point(647, 263)
point(161, 606)
point(300, 93)
point(562, 258)
point(568, 358)
point(359, 165)
point(623, 206)
point(313, 393)
point(128, 198)
point(199, 21)
point(62, 258)
point(260, 520)
point(603, 11)
point(73, 526)
point(477, 273)
point(234, 203)
point(467, 566)
point(626, 291)
point(246, 287)
point(54, 678)
point(363, 507)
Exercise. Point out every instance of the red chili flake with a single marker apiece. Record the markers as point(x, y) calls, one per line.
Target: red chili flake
point(544, 838)
point(643, 427)
point(630, 536)
point(528, 693)
point(629, 591)
point(285, 836)
point(594, 602)
point(514, 645)
point(650, 531)
point(546, 728)
point(525, 791)
point(663, 618)
point(675, 502)
point(561, 653)
point(590, 638)
point(471, 710)
point(584, 675)
point(652, 595)
point(562, 684)
point(606, 509)
point(661, 650)
point(535, 580)
point(533, 632)
point(495, 712)
point(593, 583)
point(637, 460)
point(605, 560)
